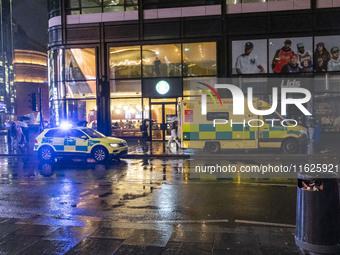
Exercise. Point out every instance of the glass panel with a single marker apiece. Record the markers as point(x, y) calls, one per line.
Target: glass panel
point(234, 1)
point(125, 88)
point(91, 3)
point(249, 57)
point(170, 118)
point(157, 117)
point(125, 62)
point(72, 4)
point(81, 111)
point(162, 60)
point(326, 54)
point(291, 55)
point(327, 82)
point(327, 111)
point(81, 89)
point(80, 64)
point(57, 112)
point(190, 85)
point(199, 59)
point(91, 10)
point(116, 8)
point(126, 117)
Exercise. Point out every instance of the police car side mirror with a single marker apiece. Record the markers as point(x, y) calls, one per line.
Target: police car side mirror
point(84, 137)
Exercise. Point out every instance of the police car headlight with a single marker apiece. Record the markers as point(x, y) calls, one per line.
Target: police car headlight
point(114, 145)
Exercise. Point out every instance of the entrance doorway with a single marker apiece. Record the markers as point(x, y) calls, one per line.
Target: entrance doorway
point(163, 115)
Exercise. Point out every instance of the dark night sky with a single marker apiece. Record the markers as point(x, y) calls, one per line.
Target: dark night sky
point(31, 17)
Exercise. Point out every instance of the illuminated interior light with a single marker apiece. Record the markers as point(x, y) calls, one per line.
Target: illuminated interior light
point(125, 107)
point(119, 106)
point(157, 52)
point(118, 111)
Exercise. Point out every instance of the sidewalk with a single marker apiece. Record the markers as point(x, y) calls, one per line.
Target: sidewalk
point(41, 234)
point(328, 147)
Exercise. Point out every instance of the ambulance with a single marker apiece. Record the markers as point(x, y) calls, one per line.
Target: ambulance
point(220, 129)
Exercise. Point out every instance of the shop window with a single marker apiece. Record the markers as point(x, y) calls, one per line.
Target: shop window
point(80, 64)
point(199, 59)
point(126, 117)
point(113, 6)
point(190, 85)
point(125, 62)
point(327, 83)
point(249, 56)
point(162, 60)
point(80, 89)
point(327, 111)
point(80, 73)
point(82, 112)
point(125, 88)
point(291, 55)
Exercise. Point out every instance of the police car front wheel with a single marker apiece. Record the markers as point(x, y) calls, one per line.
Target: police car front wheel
point(100, 154)
point(46, 154)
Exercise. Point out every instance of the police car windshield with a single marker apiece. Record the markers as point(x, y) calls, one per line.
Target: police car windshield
point(93, 133)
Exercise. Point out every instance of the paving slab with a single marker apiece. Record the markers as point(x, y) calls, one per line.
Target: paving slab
point(48, 247)
point(100, 246)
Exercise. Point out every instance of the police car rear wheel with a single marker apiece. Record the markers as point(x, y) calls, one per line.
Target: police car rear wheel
point(46, 154)
point(290, 146)
point(100, 154)
point(213, 147)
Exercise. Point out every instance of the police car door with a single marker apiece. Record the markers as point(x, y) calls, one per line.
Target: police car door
point(58, 141)
point(76, 143)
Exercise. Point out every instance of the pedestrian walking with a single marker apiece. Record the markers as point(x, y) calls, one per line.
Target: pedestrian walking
point(173, 136)
point(144, 129)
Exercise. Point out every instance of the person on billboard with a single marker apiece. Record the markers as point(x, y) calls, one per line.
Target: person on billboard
point(334, 62)
point(321, 58)
point(282, 56)
point(292, 66)
point(246, 63)
point(305, 58)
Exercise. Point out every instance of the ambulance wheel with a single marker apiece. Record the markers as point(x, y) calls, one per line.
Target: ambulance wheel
point(100, 154)
point(213, 147)
point(46, 154)
point(290, 146)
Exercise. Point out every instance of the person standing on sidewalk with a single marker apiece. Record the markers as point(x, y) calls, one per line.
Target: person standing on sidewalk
point(173, 137)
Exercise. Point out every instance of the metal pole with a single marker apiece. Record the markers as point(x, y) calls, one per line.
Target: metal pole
point(40, 111)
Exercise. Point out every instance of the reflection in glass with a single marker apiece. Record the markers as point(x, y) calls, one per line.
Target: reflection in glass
point(125, 88)
point(126, 117)
point(80, 64)
point(80, 89)
point(125, 62)
point(199, 59)
point(81, 111)
point(162, 60)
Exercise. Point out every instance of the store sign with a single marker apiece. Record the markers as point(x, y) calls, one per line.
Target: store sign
point(169, 87)
point(162, 87)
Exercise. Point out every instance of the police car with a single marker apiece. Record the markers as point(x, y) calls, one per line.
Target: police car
point(78, 141)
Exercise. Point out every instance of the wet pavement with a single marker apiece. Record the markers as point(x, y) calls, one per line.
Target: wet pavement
point(149, 203)
point(140, 206)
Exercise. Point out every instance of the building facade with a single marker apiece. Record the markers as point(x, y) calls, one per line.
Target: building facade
point(115, 63)
point(30, 69)
point(7, 89)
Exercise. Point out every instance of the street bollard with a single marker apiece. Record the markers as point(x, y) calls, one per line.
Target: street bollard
point(317, 215)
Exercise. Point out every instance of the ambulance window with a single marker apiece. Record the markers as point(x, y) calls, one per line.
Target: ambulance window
point(60, 133)
point(217, 115)
point(269, 118)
